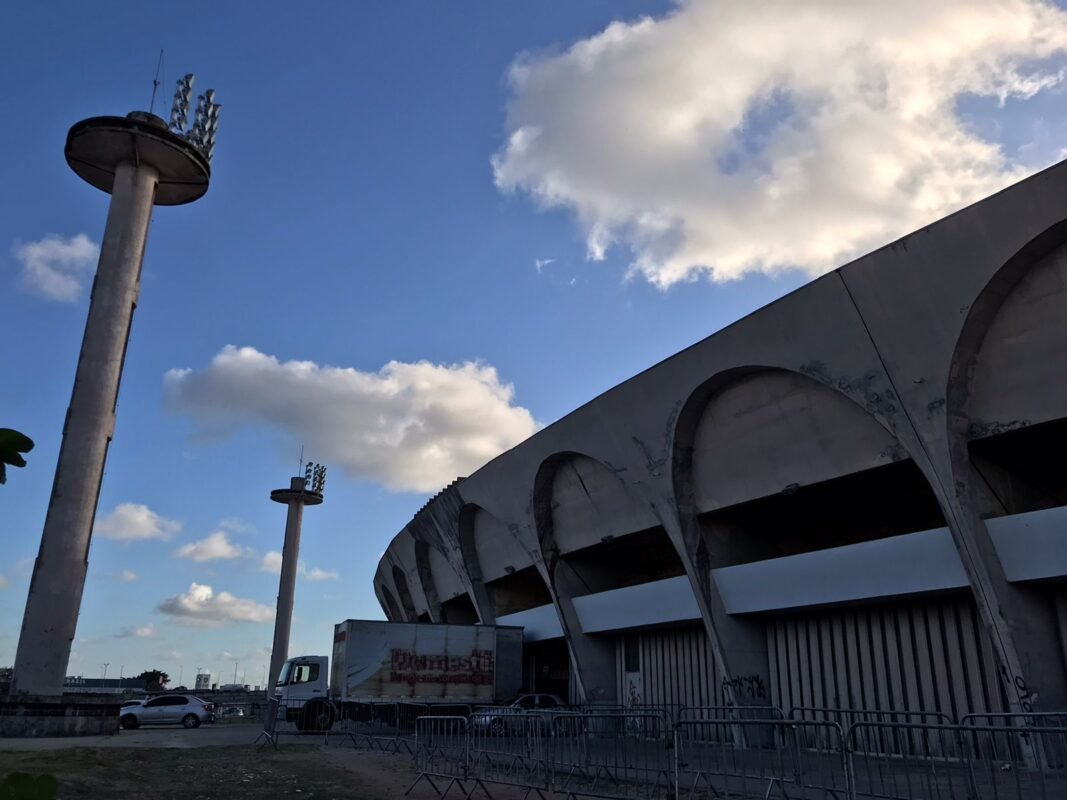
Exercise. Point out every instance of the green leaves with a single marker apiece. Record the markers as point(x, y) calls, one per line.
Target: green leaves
point(23, 786)
point(11, 444)
point(154, 680)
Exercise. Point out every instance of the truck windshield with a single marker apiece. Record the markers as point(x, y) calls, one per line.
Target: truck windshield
point(283, 676)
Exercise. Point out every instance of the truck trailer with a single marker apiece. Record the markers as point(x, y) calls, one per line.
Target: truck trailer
point(413, 662)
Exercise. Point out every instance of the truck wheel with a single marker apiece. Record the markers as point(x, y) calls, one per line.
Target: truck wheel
point(315, 717)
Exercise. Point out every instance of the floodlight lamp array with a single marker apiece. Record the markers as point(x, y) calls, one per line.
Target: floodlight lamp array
point(315, 477)
point(205, 121)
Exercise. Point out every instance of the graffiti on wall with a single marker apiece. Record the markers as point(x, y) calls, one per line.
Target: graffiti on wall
point(745, 687)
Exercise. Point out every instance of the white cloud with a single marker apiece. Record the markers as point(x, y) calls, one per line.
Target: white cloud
point(201, 605)
point(57, 268)
point(127, 576)
point(213, 547)
point(236, 525)
point(541, 263)
point(732, 137)
point(141, 632)
point(317, 574)
point(272, 562)
point(411, 427)
point(133, 522)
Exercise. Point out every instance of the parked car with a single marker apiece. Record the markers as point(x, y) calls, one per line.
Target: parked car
point(176, 709)
point(232, 712)
point(539, 702)
point(504, 720)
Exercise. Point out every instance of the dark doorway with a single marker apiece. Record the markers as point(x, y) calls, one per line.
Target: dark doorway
point(548, 668)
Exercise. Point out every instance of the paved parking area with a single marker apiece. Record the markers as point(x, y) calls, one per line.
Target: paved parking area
point(154, 736)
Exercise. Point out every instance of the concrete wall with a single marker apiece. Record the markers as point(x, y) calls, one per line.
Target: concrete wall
point(901, 356)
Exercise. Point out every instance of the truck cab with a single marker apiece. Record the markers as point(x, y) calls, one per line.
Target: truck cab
point(302, 681)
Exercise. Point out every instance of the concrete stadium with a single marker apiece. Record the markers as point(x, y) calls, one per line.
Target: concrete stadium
point(855, 497)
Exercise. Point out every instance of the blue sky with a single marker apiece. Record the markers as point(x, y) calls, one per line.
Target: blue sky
point(543, 192)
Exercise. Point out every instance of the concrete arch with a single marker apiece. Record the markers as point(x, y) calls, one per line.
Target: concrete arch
point(429, 586)
point(1018, 622)
point(881, 445)
point(389, 604)
point(446, 593)
point(587, 502)
point(505, 577)
point(400, 581)
point(980, 317)
point(469, 552)
point(695, 406)
point(601, 508)
point(767, 410)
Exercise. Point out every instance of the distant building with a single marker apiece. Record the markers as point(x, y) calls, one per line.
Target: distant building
point(203, 681)
point(76, 684)
point(854, 497)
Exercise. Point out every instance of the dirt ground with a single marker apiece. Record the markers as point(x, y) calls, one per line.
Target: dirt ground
point(237, 772)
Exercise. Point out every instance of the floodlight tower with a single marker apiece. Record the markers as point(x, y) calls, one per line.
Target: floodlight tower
point(141, 161)
point(302, 491)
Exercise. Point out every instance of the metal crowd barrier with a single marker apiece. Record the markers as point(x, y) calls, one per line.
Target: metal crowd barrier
point(977, 762)
point(614, 754)
point(308, 719)
point(847, 717)
point(373, 726)
point(509, 747)
point(770, 756)
point(387, 727)
point(441, 754)
point(1011, 741)
point(669, 710)
point(648, 756)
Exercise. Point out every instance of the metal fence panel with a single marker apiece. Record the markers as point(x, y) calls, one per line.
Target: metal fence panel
point(617, 755)
point(758, 758)
point(306, 719)
point(509, 747)
point(930, 762)
point(441, 746)
point(441, 753)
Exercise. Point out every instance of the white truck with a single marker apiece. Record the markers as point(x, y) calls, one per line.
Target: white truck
point(413, 662)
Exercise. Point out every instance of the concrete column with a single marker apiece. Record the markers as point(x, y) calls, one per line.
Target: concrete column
point(592, 657)
point(63, 559)
point(739, 646)
point(283, 618)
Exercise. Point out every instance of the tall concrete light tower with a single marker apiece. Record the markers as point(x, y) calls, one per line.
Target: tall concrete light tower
point(302, 491)
point(141, 161)
point(305, 491)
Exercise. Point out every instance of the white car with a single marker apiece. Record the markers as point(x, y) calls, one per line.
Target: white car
point(508, 720)
point(167, 709)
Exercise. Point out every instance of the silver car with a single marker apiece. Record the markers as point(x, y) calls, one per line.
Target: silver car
point(168, 709)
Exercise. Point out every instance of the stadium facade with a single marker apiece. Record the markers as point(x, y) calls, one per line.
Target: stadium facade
point(855, 497)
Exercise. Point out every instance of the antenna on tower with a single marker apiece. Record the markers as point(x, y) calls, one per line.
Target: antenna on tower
point(155, 83)
point(301, 469)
